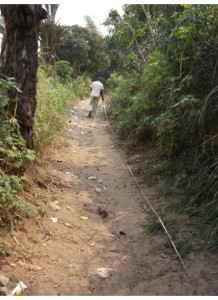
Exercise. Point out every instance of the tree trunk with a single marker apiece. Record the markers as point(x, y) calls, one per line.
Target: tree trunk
point(19, 59)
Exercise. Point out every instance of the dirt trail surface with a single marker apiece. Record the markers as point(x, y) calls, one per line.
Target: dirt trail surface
point(97, 230)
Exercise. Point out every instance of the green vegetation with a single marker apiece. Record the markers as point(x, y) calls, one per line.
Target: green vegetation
point(160, 62)
point(165, 92)
point(86, 51)
point(20, 113)
point(54, 97)
point(14, 156)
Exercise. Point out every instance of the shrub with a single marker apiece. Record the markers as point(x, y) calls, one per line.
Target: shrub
point(64, 71)
point(14, 156)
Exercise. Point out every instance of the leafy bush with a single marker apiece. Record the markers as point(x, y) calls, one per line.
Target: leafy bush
point(9, 187)
point(137, 101)
point(64, 71)
point(169, 94)
point(14, 156)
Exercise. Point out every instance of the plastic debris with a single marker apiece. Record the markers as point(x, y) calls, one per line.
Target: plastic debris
point(83, 218)
point(104, 272)
point(92, 244)
point(104, 187)
point(19, 288)
point(98, 189)
point(54, 220)
point(92, 178)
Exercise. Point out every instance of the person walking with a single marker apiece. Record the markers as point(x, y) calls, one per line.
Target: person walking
point(97, 89)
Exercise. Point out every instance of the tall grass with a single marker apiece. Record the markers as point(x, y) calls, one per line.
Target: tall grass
point(54, 98)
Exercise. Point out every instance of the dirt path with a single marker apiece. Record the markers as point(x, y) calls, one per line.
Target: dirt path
point(98, 226)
